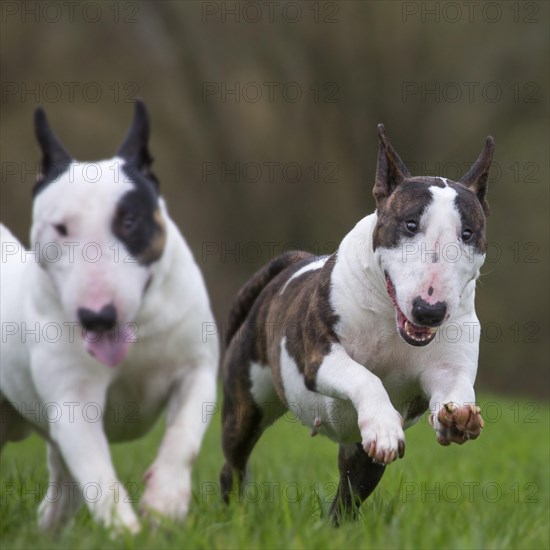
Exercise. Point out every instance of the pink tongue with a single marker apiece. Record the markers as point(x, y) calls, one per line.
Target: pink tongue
point(108, 347)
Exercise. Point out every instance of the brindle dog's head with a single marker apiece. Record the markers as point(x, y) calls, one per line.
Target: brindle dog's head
point(429, 239)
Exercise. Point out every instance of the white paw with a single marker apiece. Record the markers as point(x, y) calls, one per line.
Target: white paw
point(124, 523)
point(117, 516)
point(58, 506)
point(382, 434)
point(167, 493)
point(50, 515)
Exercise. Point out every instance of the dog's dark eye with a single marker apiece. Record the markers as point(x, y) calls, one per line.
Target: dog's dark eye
point(467, 234)
point(61, 229)
point(129, 222)
point(412, 226)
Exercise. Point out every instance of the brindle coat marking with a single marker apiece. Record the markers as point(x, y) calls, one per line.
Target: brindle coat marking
point(288, 306)
point(272, 316)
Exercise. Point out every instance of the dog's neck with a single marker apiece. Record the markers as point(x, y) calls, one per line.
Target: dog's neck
point(358, 280)
point(357, 275)
point(175, 273)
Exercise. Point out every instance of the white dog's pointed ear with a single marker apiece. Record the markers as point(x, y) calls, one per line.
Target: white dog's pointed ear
point(476, 177)
point(390, 170)
point(134, 150)
point(55, 158)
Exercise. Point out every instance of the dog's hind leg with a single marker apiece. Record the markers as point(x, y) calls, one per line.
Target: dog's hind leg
point(359, 476)
point(62, 499)
point(244, 419)
point(241, 429)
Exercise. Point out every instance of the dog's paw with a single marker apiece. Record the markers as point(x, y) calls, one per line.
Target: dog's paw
point(120, 525)
point(454, 424)
point(166, 495)
point(119, 518)
point(50, 515)
point(382, 436)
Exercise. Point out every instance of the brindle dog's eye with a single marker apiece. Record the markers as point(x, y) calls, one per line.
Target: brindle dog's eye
point(412, 226)
point(61, 229)
point(467, 235)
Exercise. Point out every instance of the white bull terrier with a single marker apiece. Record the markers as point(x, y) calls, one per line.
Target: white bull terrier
point(102, 327)
point(356, 343)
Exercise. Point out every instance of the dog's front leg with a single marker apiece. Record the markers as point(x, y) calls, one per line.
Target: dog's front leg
point(61, 500)
point(168, 479)
point(86, 452)
point(380, 424)
point(79, 437)
point(453, 412)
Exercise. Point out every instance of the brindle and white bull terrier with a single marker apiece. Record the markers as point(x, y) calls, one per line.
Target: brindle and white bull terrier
point(354, 343)
point(102, 331)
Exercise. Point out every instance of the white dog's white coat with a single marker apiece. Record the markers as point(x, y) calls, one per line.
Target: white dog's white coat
point(77, 403)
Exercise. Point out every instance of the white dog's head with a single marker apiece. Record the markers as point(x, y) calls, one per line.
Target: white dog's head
point(99, 229)
point(429, 239)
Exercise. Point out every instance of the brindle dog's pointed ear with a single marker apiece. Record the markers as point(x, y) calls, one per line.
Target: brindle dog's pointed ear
point(55, 158)
point(134, 150)
point(476, 177)
point(390, 171)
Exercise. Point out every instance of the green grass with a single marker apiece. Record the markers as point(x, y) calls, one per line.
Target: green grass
point(490, 493)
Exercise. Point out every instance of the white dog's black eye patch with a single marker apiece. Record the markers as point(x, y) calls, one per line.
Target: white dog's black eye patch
point(137, 222)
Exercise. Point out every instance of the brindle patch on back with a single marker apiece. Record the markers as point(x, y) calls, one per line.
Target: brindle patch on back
point(249, 335)
point(310, 320)
point(301, 314)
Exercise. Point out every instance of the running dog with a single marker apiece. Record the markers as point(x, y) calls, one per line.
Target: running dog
point(102, 331)
point(359, 344)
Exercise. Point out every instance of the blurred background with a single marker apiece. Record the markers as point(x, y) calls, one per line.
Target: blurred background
point(264, 122)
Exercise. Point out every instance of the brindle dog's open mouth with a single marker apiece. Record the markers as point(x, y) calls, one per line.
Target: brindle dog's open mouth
point(412, 334)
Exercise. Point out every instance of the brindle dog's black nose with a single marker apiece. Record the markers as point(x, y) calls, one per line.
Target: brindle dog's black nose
point(428, 315)
point(98, 321)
